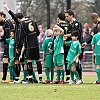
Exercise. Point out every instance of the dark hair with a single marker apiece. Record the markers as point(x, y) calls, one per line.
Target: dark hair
point(61, 16)
point(2, 13)
point(19, 15)
point(70, 12)
point(74, 33)
point(12, 30)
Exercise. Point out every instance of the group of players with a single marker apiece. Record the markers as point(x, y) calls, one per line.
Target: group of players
point(20, 39)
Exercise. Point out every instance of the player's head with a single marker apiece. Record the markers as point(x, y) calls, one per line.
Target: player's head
point(19, 16)
point(49, 33)
point(2, 16)
point(12, 33)
point(69, 14)
point(98, 27)
point(56, 31)
point(61, 16)
point(74, 35)
point(94, 17)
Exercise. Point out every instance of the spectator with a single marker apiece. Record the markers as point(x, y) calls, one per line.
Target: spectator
point(41, 37)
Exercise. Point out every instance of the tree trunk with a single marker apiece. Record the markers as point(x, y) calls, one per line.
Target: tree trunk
point(68, 4)
point(48, 13)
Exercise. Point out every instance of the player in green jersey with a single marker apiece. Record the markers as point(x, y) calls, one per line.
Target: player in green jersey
point(47, 56)
point(59, 54)
point(11, 67)
point(72, 57)
point(96, 48)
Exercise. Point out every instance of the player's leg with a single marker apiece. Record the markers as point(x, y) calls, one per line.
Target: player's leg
point(97, 62)
point(5, 64)
point(34, 76)
point(30, 70)
point(38, 62)
point(67, 72)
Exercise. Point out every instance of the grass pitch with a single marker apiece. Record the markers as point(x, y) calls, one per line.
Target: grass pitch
point(85, 91)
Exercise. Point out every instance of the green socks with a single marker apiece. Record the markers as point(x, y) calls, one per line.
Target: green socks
point(76, 74)
point(62, 74)
point(12, 73)
point(25, 74)
point(72, 75)
point(98, 74)
point(47, 74)
point(58, 75)
point(34, 76)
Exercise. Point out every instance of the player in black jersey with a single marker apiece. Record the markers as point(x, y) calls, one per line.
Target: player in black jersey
point(7, 26)
point(74, 25)
point(28, 36)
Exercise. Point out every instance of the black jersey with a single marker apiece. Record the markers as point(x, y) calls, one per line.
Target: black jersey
point(76, 26)
point(17, 29)
point(7, 26)
point(30, 33)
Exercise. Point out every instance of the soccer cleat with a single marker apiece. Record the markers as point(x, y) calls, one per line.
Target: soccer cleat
point(8, 81)
point(54, 82)
point(67, 81)
point(24, 82)
point(46, 82)
point(18, 81)
point(79, 82)
point(71, 82)
point(96, 82)
point(61, 82)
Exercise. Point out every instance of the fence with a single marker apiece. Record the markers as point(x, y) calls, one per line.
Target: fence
point(87, 63)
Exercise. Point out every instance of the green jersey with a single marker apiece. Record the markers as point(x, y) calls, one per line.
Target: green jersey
point(58, 45)
point(11, 47)
point(96, 43)
point(75, 48)
point(47, 44)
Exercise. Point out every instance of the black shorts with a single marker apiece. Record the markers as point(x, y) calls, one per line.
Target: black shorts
point(17, 55)
point(32, 53)
point(6, 52)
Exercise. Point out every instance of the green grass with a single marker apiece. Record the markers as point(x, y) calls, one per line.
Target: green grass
point(85, 91)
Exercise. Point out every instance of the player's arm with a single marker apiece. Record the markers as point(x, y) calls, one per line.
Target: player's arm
point(92, 47)
point(10, 12)
point(62, 31)
point(22, 51)
point(43, 55)
point(74, 60)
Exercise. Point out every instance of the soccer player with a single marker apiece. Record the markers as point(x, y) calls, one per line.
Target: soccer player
point(75, 25)
point(7, 26)
point(47, 56)
point(96, 49)
point(59, 54)
point(11, 67)
point(61, 23)
point(72, 57)
point(29, 37)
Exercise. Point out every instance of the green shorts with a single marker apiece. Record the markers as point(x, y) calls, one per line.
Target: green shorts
point(49, 61)
point(69, 65)
point(59, 60)
point(11, 62)
point(97, 59)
